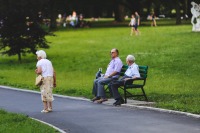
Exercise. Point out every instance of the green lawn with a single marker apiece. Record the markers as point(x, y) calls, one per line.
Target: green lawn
point(171, 52)
point(17, 123)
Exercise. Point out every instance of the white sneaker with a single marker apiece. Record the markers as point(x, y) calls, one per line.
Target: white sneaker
point(44, 111)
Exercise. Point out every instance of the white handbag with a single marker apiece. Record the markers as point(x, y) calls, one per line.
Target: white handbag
point(38, 80)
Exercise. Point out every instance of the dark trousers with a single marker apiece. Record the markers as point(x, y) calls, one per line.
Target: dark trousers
point(115, 85)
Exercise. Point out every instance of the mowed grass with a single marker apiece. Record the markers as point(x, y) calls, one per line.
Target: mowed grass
point(171, 52)
point(17, 123)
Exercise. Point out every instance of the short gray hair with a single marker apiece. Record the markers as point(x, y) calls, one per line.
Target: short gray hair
point(41, 54)
point(130, 58)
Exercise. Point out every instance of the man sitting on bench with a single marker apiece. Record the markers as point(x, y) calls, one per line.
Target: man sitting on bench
point(114, 67)
point(131, 73)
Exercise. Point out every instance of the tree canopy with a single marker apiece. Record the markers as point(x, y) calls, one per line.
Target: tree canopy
point(120, 8)
point(20, 21)
point(20, 28)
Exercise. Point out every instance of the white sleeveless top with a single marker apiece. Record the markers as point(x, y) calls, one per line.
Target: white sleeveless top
point(132, 21)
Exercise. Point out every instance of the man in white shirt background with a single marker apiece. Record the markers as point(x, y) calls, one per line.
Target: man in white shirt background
point(131, 73)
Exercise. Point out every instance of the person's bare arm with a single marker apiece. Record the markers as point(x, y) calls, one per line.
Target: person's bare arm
point(112, 74)
point(54, 78)
point(38, 70)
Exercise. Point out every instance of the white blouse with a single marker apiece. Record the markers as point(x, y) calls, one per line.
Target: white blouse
point(133, 71)
point(47, 68)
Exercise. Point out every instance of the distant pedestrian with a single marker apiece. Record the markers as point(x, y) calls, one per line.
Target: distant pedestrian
point(74, 19)
point(132, 24)
point(153, 22)
point(137, 22)
point(45, 68)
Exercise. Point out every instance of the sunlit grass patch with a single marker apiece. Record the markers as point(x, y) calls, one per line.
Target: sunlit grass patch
point(171, 52)
point(18, 123)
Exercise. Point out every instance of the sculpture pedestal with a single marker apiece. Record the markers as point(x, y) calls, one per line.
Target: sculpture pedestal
point(196, 29)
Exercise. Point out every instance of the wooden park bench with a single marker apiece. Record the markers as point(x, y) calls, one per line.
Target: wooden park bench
point(132, 83)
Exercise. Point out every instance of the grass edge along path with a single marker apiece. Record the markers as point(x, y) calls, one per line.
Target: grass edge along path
point(19, 123)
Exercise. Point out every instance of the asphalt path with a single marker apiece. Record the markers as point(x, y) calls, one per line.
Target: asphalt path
point(79, 116)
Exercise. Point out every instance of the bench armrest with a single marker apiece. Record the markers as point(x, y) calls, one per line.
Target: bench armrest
point(130, 81)
point(140, 78)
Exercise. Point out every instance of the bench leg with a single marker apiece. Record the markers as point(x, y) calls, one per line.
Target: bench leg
point(144, 94)
point(125, 98)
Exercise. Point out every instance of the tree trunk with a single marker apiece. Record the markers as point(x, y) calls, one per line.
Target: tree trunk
point(148, 7)
point(178, 13)
point(119, 10)
point(53, 15)
point(186, 7)
point(19, 57)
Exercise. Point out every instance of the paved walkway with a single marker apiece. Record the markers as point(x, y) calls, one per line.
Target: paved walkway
point(82, 116)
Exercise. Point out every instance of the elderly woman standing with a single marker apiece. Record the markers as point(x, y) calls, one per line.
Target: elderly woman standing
point(45, 68)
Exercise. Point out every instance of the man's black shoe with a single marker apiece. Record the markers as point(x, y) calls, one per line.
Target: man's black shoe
point(119, 102)
point(115, 102)
point(122, 100)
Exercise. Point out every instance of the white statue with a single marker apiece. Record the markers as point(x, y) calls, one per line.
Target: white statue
point(195, 10)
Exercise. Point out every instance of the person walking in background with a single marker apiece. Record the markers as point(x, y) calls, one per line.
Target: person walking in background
point(131, 73)
point(45, 68)
point(153, 22)
point(137, 23)
point(132, 24)
point(112, 73)
point(73, 19)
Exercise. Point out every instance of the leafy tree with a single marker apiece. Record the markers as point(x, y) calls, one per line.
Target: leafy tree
point(119, 9)
point(178, 11)
point(20, 27)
